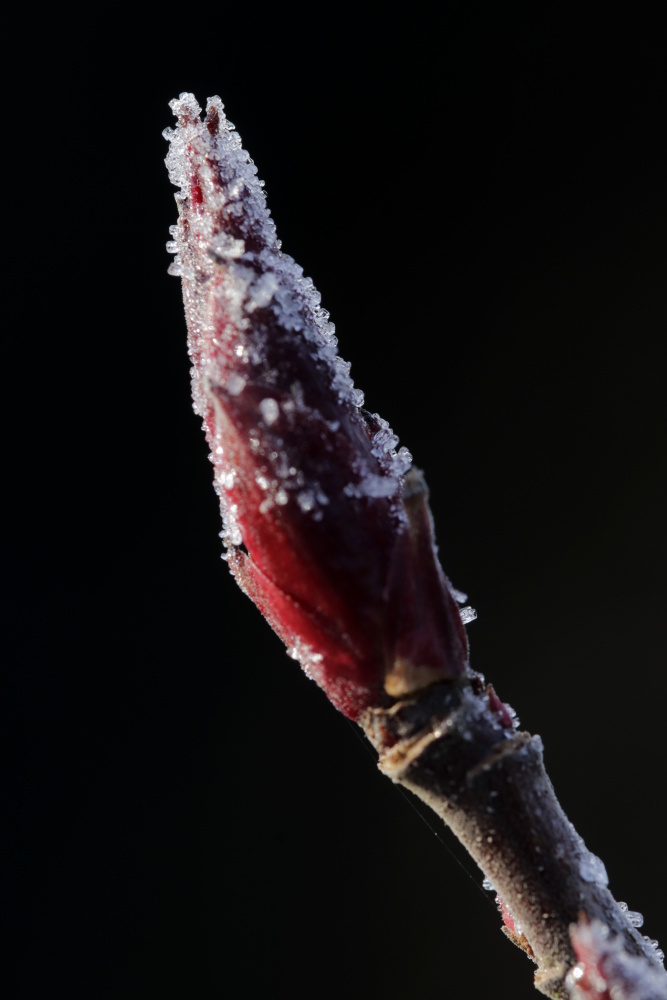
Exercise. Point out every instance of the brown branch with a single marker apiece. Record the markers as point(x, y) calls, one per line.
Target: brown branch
point(451, 747)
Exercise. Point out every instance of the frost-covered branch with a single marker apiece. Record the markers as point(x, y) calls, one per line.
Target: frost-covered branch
point(327, 528)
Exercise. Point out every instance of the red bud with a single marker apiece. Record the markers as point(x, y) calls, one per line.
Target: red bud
point(327, 530)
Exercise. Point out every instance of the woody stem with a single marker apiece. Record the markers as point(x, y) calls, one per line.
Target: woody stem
point(489, 785)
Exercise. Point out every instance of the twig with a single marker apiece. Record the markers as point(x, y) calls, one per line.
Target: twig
point(328, 530)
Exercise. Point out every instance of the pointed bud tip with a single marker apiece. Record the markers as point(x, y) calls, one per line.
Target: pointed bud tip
point(339, 549)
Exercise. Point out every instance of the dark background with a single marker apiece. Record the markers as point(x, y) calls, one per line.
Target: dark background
point(479, 195)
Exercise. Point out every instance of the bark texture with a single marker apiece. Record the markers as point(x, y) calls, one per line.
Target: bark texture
point(454, 746)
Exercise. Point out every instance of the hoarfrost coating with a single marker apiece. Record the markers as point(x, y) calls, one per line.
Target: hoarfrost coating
point(326, 525)
point(213, 171)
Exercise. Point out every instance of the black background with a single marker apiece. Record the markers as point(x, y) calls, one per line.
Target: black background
point(479, 195)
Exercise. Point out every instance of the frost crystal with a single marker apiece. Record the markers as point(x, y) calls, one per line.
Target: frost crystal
point(269, 410)
point(592, 869)
point(306, 657)
point(635, 919)
point(458, 595)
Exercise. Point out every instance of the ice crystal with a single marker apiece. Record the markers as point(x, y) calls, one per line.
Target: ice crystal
point(634, 918)
point(592, 869)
